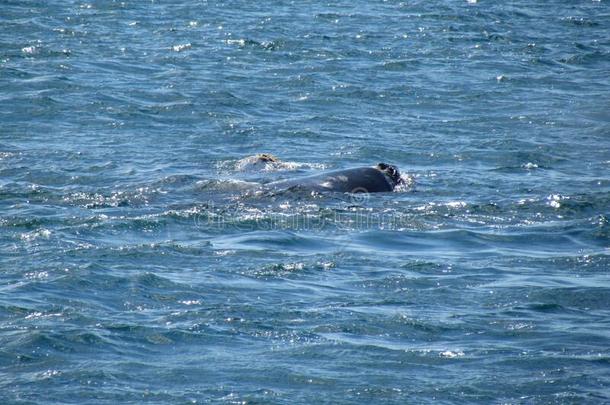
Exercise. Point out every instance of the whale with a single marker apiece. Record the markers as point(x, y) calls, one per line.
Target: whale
point(262, 161)
point(380, 178)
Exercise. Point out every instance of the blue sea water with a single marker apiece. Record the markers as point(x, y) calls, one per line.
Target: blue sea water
point(140, 264)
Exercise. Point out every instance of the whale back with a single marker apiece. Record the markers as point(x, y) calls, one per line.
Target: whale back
point(355, 180)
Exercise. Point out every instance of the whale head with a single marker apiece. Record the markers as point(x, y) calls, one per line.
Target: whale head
point(391, 172)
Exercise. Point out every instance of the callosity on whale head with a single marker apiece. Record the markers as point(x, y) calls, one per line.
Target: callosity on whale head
point(392, 172)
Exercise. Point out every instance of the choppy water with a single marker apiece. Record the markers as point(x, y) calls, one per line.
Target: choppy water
point(138, 265)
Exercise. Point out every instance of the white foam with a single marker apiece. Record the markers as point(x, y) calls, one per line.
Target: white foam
point(406, 183)
point(41, 233)
point(181, 47)
point(530, 166)
point(29, 50)
point(254, 163)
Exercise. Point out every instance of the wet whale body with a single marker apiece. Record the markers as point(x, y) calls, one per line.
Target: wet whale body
point(380, 178)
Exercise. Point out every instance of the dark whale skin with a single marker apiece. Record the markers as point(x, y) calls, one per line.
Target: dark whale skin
point(356, 180)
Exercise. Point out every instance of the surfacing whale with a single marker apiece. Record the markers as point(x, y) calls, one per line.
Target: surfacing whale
point(380, 178)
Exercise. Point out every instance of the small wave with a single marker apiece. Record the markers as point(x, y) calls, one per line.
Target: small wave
point(139, 196)
point(31, 236)
point(530, 166)
point(580, 21)
point(585, 58)
point(29, 50)
point(225, 185)
point(279, 270)
point(448, 354)
point(265, 45)
point(178, 180)
point(6, 155)
point(398, 65)
point(181, 47)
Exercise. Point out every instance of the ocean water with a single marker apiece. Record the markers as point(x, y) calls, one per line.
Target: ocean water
point(141, 263)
